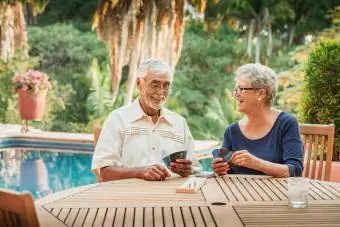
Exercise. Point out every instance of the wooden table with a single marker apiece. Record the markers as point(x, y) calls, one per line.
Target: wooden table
point(223, 201)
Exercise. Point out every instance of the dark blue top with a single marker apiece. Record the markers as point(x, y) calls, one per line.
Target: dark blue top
point(281, 145)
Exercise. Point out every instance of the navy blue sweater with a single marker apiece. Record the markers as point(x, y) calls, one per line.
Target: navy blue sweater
point(281, 145)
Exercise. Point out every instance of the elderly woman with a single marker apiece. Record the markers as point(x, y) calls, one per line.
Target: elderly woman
point(265, 140)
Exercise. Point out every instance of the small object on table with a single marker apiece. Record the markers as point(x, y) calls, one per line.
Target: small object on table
point(192, 185)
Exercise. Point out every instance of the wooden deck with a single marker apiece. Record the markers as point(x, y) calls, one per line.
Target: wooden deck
point(222, 201)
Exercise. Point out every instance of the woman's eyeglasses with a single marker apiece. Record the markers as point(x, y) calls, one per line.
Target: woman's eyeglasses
point(239, 90)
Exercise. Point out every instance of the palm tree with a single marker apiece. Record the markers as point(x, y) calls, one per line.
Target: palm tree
point(139, 29)
point(13, 35)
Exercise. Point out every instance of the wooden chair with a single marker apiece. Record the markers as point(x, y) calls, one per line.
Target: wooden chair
point(318, 141)
point(96, 134)
point(17, 209)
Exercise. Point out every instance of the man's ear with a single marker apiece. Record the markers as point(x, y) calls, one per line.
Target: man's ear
point(138, 83)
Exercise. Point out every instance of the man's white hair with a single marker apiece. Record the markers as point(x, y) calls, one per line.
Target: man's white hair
point(260, 76)
point(153, 66)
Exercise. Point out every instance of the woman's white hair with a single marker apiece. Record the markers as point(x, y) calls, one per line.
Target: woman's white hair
point(153, 66)
point(260, 76)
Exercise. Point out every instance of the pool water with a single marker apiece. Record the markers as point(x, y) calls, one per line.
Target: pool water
point(44, 172)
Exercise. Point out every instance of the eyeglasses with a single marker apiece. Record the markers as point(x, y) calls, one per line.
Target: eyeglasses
point(157, 86)
point(238, 90)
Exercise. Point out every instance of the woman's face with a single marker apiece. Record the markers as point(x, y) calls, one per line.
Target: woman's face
point(246, 96)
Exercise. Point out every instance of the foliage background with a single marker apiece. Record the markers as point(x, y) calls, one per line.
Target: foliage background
point(63, 45)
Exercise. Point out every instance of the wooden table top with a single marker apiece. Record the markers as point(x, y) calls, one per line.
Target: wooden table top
point(231, 200)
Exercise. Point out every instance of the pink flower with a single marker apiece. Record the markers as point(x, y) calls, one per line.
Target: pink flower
point(31, 81)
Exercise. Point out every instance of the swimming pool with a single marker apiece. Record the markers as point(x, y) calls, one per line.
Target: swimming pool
point(43, 172)
point(44, 167)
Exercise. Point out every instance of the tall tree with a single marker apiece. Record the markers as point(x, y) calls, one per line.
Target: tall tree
point(138, 29)
point(13, 35)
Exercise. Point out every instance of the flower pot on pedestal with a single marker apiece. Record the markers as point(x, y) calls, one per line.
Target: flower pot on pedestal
point(32, 104)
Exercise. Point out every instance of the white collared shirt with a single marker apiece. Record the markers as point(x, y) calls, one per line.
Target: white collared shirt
point(129, 138)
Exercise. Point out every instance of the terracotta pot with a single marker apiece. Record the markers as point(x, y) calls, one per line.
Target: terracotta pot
point(32, 104)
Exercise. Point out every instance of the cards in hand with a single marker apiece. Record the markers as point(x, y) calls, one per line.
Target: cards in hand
point(223, 153)
point(174, 156)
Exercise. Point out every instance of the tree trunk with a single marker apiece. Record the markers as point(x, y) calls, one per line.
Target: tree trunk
point(270, 40)
point(250, 37)
point(178, 32)
point(13, 36)
point(135, 55)
point(258, 48)
point(291, 34)
point(114, 65)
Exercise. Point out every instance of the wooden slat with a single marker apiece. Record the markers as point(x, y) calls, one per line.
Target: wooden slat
point(318, 191)
point(120, 216)
point(196, 215)
point(212, 190)
point(148, 216)
point(187, 216)
point(226, 190)
point(242, 190)
point(177, 214)
point(238, 195)
point(63, 214)
point(56, 211)
point(129, 217)
point(81, 217)
point(323, 146)
point(168, 219)
point(139, 217)
point(279, 185)
point(72, 216)
point(158, 216)
point(250, 189)
point(264, 196)
point(323, 190)
point(330, 189)
point(264, 215)
point(90, 217)
point(315, 147)
point(308, 151)
point(266, 190)
point(208, 219)
point(274, 189)
point(110, 217)
point(100, 217)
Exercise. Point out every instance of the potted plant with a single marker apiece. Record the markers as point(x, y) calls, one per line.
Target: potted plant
point(32, 87)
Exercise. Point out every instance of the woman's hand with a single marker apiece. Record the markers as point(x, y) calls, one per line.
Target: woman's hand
point(244, 158)
point(220, 167)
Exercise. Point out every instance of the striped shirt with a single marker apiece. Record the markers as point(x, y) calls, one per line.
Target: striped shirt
point(129, 138)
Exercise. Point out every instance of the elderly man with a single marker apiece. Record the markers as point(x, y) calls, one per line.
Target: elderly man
point(135, 138)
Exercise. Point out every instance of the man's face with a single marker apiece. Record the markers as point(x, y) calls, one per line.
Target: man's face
point(154, 89)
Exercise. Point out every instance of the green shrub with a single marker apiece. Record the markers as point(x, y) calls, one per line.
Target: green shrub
point(203, 81)
point(321, 102)
point(65, 54)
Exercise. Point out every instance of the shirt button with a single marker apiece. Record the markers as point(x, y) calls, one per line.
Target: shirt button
point(153, 148)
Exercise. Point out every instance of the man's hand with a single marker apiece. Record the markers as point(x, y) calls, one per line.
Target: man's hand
point(220, 167)
point(244, 158)
point(154, 172)
point(181, 167)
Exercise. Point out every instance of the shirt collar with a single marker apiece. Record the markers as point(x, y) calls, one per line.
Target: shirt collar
point(137, 113)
